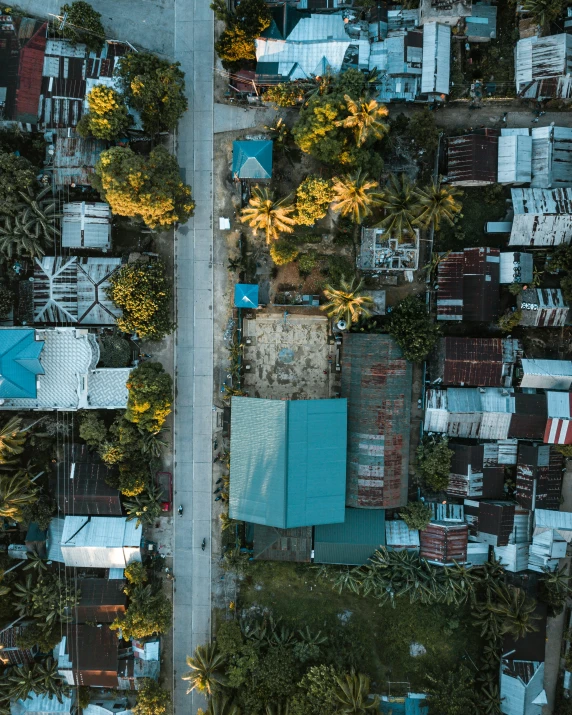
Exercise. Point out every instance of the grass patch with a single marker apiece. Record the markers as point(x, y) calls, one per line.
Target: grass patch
point(361, 633)
point(480, 204)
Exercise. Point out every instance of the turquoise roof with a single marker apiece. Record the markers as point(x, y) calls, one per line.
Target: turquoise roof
point(288, 461)
point(19, 362)
point(352, 542)
point(409, 705)
point(252, 159)
point(246, 295)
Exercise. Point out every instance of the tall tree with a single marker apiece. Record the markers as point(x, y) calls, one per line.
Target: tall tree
point(152, 699)
point(150, 396)
point(545, 11)
point(347, 302)
point(355, 195)
point(145, 507)
point(206, 666)
point(364, 119)
point(401, 207)
point(264, 213)
point(412, 329)
point(83, 24)
point(353, 695)
point(438, 203)
point(16, 174)
point(107, 118)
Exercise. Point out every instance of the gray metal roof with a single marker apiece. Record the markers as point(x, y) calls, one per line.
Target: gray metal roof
point(552, 156)
point(540, 230)
point(547, 374)
point(100, 542)
point(399, 535)
point(436, 58)
point(516, 267)
point(86, 225)
point(539, 58)
point(514, 159)
point(522, 687)
point(42, 705)
point(541, 201)
point(482, 23)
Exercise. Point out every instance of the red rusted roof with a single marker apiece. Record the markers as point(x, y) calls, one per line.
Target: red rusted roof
point(474, 362)
point(538, 477)
point(473, 158)
point(444, 542)
point(30, 76)
point(468, 285)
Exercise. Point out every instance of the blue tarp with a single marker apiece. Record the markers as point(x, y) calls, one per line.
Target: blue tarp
point(252, 159)
point(245, 295)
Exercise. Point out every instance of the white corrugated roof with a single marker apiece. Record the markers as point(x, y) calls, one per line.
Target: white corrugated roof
point(100, 542)
point(397, 533)
point(319, 27)
point(514, 159)
point(548, 519)
point(436, 58)
point(519, 691)
point(540, 230)
point(86, 225)
point(547, 368)
point(42, 705)
point(558, 404)
point(542, 201)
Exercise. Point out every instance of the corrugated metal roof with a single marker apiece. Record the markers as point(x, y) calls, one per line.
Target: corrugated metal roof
point(377, 381)
point(552, 156)
point(352, 542)
point(540, 58)
point(538, 477)
point(86, 225)
point(101, 600)
point(521, 683)
point(100, 542)
point(542, 201)
point(288, 463)
point(20, 363)
point(543, 307)
point(516, 267)
point(81, 488)
point(537, 230)
point(43, 705)
point(436, 58)
point(514, 159)
point(30, 77)
point(472, 159)
point(560, 521)
point(93, 654)
point(444, 543)
point(513, 557)
point(474, 473)
point(272, 544)
point(471, 361)
point(252, 159)
point(482, 23)
point(399, 536)
point(546, 374)
point(75, 159)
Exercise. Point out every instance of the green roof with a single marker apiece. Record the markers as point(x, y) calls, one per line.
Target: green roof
point(288, 461)
point(352, 542)
point(19, 362)
point(252, 159)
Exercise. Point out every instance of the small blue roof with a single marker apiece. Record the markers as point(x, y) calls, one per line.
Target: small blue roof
point(245, 295)
point(288, 461)
point(252, 159)
point(411, 704)
point(19, 362)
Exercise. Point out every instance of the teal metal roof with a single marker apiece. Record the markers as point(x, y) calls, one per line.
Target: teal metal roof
point(246, 295)
point(19, 362)
point(252, 159)
point(409, 705)
point(288, 461)
point(352, 542)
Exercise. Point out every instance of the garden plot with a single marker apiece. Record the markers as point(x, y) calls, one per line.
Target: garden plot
point(288, 356)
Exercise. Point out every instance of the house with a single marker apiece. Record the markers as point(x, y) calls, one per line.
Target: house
point(448, 13)
point(538, 476)
point(478, 362)
point(542, 308)
point(252, 159)
point(73, 159)
point(10, 652)
point(516, 267)
point(490, 522)
point(546, 374)
point(444, 543)
point(88, 656)
point(101, 600)
point(399, 536)
point(382, 254)
point(288, 461)
point(559, 521)
point(398, 60)
point(86, 224)
point(436, 75)
point(522, 687)
point(481, 24)
point(542, 217)
point(468, 285)
point(476, 471)
point(44, 705)
point(72, 290)
point(409, 704)
point(108, 707)
point(559, 423)
point(272, 544)
point(514, 156)
point(552, 154)
point(102, 542)
point(546, 550)
point(543, 67)
point(54, 369)
point(377, 382)
point(246, 296)
point(354, 541)
point(472, 159)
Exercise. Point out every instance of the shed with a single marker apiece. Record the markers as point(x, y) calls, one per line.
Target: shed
point(252, 159)
point(546, 374)
point(559, 521)
point(443, 543)
point(522, 687)
point(542, 217)
point(472, 159)
point(288, 461)
point(435, 78)
point(542, 66)
point(272, 544)
point(513, 557)
point(352, 542)
point(98, 542)
point(542, 308)
point(101, 600)
point(478, 362)
point(86, 224)
point(490, 522)
point(538, 476)
point(546, 550)
point(75, 159)
point(246, 295)
point(514, 158)
point(377, 382)
point(516, 267)
point(399, 536)
point(472, 475)
point(481, 24)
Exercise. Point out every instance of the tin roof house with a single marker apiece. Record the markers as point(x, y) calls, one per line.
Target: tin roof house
point(543, 66)
point(101, 600)
point(490, 522)
point(88, 656)
point(552, 155)
point(468, 285)
point(546, 374)
point(399, 60)
point(481, 24)
point(44, 705)
point(514, 156)
point(354, 541)
point(477, 471)
point(55, 369)
point(542, 308)
point(436, 75)
point(399, 536)
point(10, 652)
point(72, 159)
point(538, 476)
point(522, 687)
point(443, 543)
point(86, 224)
point(551, 536)
point(377, 382)
point(448, 13)
point(288, 464)
point(542, 217)
point(472, 159)
point(474, 362)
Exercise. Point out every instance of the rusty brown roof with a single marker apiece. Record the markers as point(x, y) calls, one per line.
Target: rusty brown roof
point(101, 600)
point(538, 476)
point(473, 158)
point(444, 542)
point(94, 654)
point(468, 285)
point(475, 362)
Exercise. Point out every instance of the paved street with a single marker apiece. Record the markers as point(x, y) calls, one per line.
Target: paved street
point(194, 349)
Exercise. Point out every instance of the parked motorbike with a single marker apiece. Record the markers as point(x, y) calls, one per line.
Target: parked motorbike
point(203, 544)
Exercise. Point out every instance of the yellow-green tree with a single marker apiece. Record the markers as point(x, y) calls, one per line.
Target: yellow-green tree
point(365, 119)
point(150, 396)
point(313, 197)
point(264, 213)
point(107, 117)
point(147, 188)
point(347, 302)
point(438, 203)
point(355, 195)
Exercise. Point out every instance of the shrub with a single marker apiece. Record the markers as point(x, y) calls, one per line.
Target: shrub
point(136, 573)
point(83, 696)
point(115, 351)
point(152, 699)
point(422, 129)
point(313, 197)
point(150, 396)
point(416, 514)
point(16, 174)
point(434, 462)
point(83, 24)
point(92, 428)
point(107, 117)
point(235, 46)
point(283, 251)
point(133, 478)
point(339, 267)
point(509, 320)
point(307, 262)
point(284, 95)
point(412, 329)
point(515, 288)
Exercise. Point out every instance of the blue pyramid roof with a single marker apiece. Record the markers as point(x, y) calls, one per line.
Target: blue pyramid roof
point(19, 362)
point(252, 159)
point(245, 295)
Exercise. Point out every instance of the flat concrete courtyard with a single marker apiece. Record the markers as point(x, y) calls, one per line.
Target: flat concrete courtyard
point(288, 356)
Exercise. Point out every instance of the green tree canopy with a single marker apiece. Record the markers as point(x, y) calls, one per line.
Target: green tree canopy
point(416, 514)
point(83, 24)
point(434, 462)
point(248, 20)
point(452, 693)
point(283, 251)
point(16, 174)
point(154, 87)
point(317, 692)
point(410, 326)
point(286, 94)
point(150, 396)
point(92, 428)
point(149, 613)
point(147, 188)
point(107, 118)
point(152, 699)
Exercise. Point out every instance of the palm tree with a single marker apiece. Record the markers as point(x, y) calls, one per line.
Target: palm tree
point(12, 441)
point(543, 11)
point(49, 680)
point(222, 705)
point(347, 579)
point(438, 203)
point(401, 207)
point(355, 195)
point(145, 507)
point(16, 492)
point(205, 665)
point(364, 118)
point(352, 695)
point(516, 610)
point(263, 213)
point(347, 302)
point(33, 226)
point(21, 681)
point(42, 210)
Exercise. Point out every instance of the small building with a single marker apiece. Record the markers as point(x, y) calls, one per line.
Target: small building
point(468, 285)
point(543, 67)
point(522, 687)
point(448, 13)
point(552, 154)
point(542, 217)
point(513, 557)
point(538, 476)
point(86, 224)
point(399, 536)
point(542, 308)
point(559, 521)
point(398, 59)
point(514, 156)
point(44, 705)
point(10, 652)
point(490, 522)
point(89, 656)
point(546, 374)
point(472, 159)
point(252, 159)
point(101, 600)
point(377, 382)
point(246, 296)
point(382, 254)
point(546, 550)
point(73, 159)
point(474, 362)
point(272, 544)
point(481, 24)
point(436, 74)
point(108, 707)
point(288, 461)
point(516, 267)
point(474, 473)
point(444, 543)
point(353, 542)
point(409, 704)
point(101, 542)
point(72, 290)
